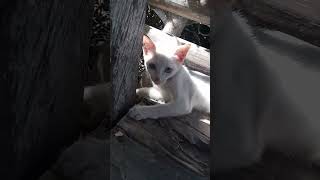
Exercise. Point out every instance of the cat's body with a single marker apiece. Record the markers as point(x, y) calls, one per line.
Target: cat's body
point(264, 98)
point(181, 89)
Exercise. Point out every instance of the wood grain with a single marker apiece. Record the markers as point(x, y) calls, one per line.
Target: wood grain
point(185, 138)
point(45, 49)
point(190, 9)
point(128, 19)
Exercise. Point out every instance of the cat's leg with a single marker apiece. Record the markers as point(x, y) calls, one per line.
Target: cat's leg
point(175, 108)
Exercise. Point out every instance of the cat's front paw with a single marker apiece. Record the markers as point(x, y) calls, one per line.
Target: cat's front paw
point(137, 112)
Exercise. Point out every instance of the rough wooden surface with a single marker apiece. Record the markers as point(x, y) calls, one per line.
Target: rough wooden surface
point(185, 138)
point(128, 20)
point(299, 18)
point(190, 9)
point(198, 58)
point(45, 46)
point(87, 159)
point(134, 161)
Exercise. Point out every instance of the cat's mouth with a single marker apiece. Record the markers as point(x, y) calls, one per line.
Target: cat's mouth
point(157, 82)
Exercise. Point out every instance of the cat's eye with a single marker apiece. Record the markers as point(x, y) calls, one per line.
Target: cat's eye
point(168, 70)
point(151, 66)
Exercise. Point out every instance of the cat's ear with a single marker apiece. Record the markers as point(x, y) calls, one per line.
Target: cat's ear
point(148, 46)
point(181, 52)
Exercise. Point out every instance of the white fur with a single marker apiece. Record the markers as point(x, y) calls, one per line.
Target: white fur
point(182, 91)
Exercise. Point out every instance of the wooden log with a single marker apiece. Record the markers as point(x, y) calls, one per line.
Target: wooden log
point(41, 78)
point(190, 9)
point(185, 138)
point(198, 58)
point(295, 17)
point(128, 20)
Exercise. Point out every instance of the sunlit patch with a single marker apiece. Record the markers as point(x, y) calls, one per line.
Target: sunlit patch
point(179, 2)
point(119, 134)
point(156, 96)
point(202, 82)
point(205, 121)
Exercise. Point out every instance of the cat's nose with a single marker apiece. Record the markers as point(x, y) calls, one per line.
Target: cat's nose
point(157, 80)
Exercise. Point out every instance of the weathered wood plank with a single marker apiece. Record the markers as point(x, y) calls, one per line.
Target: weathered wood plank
point(128, 158)
point(176, 137)
point(41, 78)
point(295, 17)
point(198, 58)
point(128, 18)
point(190, 9)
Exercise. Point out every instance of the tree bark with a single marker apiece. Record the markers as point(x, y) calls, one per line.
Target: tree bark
point(41, 78)
point(128, 19)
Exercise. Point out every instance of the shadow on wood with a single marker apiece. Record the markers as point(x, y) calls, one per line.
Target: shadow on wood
point(185, 138)
point(126, 41)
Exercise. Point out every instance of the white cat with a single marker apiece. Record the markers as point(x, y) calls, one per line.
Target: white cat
point(181, 89)
point(265, 97)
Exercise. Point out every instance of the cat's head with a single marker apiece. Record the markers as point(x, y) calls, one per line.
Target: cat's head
point(162, 66)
